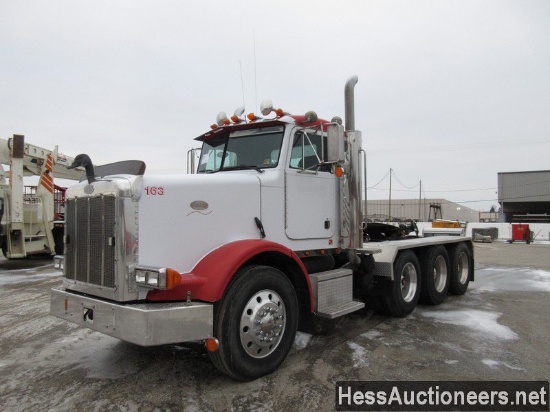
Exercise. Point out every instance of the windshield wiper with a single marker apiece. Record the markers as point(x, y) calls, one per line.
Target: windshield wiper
point(243, 167)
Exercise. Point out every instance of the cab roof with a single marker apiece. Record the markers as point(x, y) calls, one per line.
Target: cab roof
point(289, 119)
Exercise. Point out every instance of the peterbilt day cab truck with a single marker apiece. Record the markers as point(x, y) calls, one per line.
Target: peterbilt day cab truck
point(264, 238)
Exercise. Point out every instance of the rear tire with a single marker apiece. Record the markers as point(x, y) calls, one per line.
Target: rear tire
point(435, 276)
point(461, 268)
point(255, 323)
point(405, 290)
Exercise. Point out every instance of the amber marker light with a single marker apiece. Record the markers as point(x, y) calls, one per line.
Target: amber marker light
point(213, 126)
point(173, 278)
point(211, 344)
point(251, 117)
point(279, 112)
point(339, 171)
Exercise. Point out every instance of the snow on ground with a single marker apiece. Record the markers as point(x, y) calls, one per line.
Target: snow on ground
point(478, 321)
point(302, 340)
point(493, 364)
point(493, 279)
point(358, 355)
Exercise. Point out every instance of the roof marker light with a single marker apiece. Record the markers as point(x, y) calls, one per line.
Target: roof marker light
point(251, 117)
point(220, 118)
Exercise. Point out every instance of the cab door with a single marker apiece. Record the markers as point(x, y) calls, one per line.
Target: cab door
point(311, 191)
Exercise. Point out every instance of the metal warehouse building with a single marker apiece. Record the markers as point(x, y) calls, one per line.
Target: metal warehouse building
point(525, 196)
point(422, 210)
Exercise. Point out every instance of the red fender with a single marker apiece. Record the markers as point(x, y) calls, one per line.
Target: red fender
point(210, 277)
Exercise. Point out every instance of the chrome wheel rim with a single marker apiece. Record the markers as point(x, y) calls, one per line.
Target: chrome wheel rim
point(440, 273)
point(463, 268)
point(262, 324)
point(409, 282)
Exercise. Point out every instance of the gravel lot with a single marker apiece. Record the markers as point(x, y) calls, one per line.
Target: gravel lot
point(498, 331)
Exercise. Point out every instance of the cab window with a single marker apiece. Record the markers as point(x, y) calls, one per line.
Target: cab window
point(308, 150)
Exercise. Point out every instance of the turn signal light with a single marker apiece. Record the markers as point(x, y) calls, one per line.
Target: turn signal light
point(339, 171)
point(173, 279)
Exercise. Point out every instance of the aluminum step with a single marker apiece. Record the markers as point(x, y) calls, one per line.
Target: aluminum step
point(333, 293)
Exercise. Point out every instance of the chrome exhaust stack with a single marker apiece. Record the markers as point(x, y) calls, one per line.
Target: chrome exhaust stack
point(349, 100)
point(351, 225)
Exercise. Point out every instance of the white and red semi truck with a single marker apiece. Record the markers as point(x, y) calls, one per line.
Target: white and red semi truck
point(266, 236)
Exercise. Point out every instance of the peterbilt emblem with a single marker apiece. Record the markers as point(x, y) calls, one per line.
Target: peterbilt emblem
point(89, 189)
point(199, 205)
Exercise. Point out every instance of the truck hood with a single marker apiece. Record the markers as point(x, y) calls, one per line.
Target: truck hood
point(182, 218)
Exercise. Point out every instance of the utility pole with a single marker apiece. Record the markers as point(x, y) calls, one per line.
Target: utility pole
point(420, 203)
point(389, 207)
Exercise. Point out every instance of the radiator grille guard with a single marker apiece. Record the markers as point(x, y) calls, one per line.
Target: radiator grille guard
point(90, 240)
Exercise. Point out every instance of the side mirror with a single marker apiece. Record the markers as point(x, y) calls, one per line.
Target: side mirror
point(335, 143)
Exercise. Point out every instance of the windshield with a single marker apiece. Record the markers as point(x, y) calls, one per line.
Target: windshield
point(242, 149)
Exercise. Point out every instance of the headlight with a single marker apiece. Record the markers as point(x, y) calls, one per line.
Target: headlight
point(162, 278)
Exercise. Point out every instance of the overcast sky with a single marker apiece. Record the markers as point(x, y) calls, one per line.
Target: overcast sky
point(449, 92)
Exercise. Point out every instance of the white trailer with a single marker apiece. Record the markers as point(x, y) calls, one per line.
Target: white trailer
point(264, 238)
point(31, 217)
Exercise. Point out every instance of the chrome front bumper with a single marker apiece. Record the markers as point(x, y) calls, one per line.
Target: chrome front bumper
point(145, 324)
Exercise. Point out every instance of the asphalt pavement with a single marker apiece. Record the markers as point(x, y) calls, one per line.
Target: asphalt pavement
point(499, 330)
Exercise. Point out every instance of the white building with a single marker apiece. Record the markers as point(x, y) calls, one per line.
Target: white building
point(422, 210)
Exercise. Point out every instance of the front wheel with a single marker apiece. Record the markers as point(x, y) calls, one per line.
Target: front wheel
point(405, 289)
point(255, 323)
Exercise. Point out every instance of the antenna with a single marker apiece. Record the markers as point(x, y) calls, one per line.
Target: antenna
point(255, 76)
point(242, 83)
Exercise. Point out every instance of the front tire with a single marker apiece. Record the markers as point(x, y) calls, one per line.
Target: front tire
point(405, 290)
point(255, 323)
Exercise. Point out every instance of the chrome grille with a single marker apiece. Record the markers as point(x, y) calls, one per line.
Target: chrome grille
point(89, 244)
